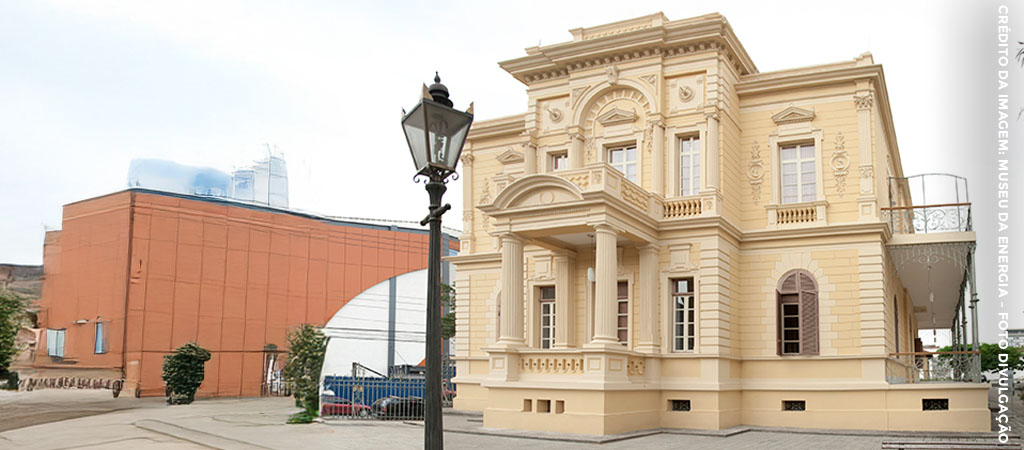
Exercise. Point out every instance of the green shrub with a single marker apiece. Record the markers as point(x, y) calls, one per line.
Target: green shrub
point(12, 313)
point(302, 417)
point(306, 348)
point(184, 371)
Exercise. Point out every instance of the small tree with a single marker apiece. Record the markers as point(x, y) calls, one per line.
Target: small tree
point(306, 348)
point(448, 320)
point(12, 313)
point(184, 371)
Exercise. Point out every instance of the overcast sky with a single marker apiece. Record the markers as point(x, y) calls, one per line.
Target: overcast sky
point(85, 86)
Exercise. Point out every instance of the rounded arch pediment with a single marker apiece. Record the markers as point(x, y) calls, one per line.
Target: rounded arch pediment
point(537, 190)
point(594, 101)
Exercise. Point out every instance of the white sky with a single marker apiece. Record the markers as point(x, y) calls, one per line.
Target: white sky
point(85, 86)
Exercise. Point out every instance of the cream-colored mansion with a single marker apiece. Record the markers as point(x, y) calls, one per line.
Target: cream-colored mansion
point(670, 238)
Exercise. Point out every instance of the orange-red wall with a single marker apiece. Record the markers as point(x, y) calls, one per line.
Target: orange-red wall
point(231, 277)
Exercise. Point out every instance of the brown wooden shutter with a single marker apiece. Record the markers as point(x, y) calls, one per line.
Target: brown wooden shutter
point(808, 315)
point(778, 324)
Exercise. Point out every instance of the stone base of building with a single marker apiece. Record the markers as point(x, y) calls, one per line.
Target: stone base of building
point(606, 412)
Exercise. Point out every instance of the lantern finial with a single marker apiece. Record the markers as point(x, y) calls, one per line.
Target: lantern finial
point(439, 92)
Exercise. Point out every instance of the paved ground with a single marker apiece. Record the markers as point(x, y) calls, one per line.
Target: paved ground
point(21, 409)
point(258, 423)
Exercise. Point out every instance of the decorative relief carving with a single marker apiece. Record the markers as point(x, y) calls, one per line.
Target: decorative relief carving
point(635, 367)
point(466, 158)
point(582, 180)
point(755, 172)
point(555, 114)
point(685, 93)
point(634, 196)
point(596, 176)
point(840, 163)
point(590, 149)
point(650, 79)
point(612, 72)
point(867, 175)
point(485, 196)
point(864, 101)
point(648, 136)
point(578, 93)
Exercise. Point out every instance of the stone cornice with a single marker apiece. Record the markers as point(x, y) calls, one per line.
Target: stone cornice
point(827, 74)
point(474, 258)
point(632, 41)
point(511, 125)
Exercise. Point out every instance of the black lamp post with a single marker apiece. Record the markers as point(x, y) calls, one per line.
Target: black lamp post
point(435, 132)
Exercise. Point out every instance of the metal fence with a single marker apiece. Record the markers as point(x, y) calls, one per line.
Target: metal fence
point(398, 397)
point(928, 203)
point(933, 367)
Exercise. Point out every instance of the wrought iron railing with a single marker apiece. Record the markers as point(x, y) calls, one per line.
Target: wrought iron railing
point(928, 203)
point(929, 218)
point(933, 367)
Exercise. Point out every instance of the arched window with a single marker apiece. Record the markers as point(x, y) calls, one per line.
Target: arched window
point(797, 314)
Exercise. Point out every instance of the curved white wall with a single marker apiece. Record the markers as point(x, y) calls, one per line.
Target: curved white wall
point(359, 330)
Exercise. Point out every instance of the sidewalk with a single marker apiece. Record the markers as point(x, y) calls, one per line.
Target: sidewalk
point(259, 424)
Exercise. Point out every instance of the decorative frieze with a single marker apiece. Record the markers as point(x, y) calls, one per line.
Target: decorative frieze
point(864, 101)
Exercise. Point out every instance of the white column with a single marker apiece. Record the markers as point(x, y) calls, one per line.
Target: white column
point(530, 158)
point(575, 150)
point(606, 287)
point(658, 134)
point(711, 165)
point(511, 291)
point(565, 304)
point(647, 308)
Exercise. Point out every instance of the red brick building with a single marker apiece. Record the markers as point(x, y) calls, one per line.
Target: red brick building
point(135, 274)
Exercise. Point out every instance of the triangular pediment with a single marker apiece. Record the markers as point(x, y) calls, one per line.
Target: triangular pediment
point(510, 157)
point(616, 116)
point(793, 114)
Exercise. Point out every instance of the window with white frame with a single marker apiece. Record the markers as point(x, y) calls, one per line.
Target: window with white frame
point(55, 342)
point(799, 177)
point(689, 165)
point(622, 313)
point(625, 160)
point(547, 317)
point(683, 314)
point(559, 161)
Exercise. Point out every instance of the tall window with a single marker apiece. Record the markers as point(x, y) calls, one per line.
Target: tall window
point(799, 179)
point(100, 347)
point(622, 313)
point(55, 342)
point(547, 317)
point(797, 314)
point(689, 166)
point(682, 313)
point(559, 161)
point(624, 159)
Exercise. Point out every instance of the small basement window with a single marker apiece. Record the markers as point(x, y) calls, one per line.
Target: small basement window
point(679, 405)
point(559, 406)
point(794, 405)
point(935, 404)
point(527, 405)
point(543, 406)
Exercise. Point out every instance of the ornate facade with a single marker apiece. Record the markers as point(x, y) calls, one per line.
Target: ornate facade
point(670, 238)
